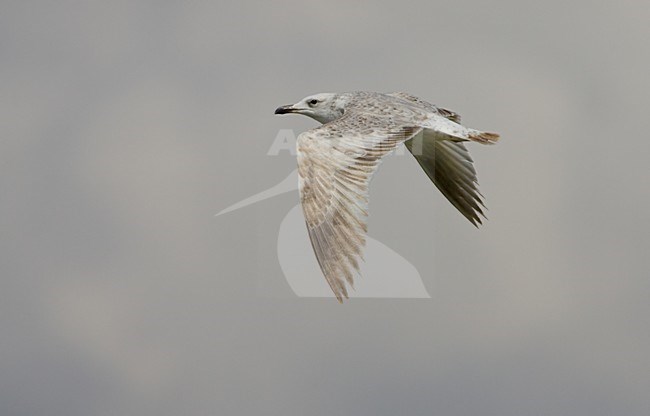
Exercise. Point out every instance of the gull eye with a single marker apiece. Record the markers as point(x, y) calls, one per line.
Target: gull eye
point(313, 102)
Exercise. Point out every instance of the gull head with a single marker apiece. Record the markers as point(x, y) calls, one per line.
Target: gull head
point(323, 107)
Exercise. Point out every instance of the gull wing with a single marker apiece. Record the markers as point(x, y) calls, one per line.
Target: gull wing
point(336, 162)
point(450, 167)
point(444, 158)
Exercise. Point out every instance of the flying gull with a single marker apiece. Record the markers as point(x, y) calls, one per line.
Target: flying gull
point(337, 159)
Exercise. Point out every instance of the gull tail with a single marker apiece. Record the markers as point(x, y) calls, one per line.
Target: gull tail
point(483, 137)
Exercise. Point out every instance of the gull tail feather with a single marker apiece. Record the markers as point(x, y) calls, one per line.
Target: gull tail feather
point(484, 137)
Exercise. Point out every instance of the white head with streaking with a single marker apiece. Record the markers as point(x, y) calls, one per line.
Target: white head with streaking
point(323, 107)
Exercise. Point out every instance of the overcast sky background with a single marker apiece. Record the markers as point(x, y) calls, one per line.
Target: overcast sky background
point(125, 126)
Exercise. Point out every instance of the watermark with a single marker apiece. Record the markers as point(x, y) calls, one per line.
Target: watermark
point(285, 141)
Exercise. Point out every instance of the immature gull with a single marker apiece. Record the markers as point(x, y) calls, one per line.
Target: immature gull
point(336, 162)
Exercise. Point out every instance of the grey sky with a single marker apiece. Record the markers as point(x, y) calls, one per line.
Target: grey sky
point(127, 125)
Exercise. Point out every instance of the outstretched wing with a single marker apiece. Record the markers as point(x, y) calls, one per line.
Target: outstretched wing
point(444, 158)
point(336, 162)
point(450, 167)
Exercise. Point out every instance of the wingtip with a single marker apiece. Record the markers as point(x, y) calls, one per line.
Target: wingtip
point(340, 295)
point(478, 222)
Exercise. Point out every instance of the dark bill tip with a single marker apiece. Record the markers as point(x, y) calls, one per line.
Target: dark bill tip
point(284, 109)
